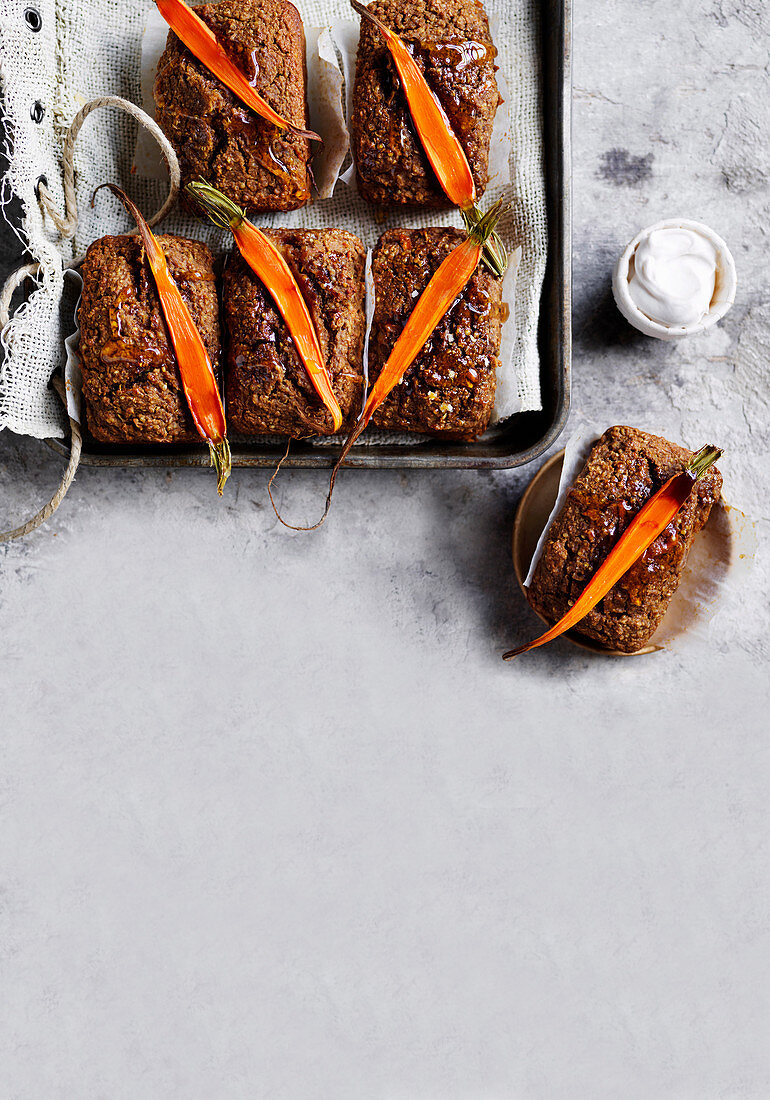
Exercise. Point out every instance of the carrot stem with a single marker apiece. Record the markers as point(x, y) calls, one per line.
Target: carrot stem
point(201, 41)
point(197, 374)
point(641, 532)
point(271, 268)
point(494, 255)
point(443, 150)
point(221, 460)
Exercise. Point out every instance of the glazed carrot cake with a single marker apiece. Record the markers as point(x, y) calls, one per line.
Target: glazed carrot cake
point(216, 137)
point(268, 388)
point(450, 388)
point(131, 383)
point(451, 42)
point(624, 469)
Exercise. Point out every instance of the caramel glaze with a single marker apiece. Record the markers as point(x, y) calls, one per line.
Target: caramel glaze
point(251, 133)
point(128, 315)
point(461, 74)
point(253, 76)
point(604, 521)
point(441, 363)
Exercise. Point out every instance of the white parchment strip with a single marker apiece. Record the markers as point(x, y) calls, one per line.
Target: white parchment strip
point(324, 99)
point(345, 34)
point(148, 159)
point(507, 397)
point(713, 581)
point(369, 306)
point(500, 141)
point(575, 454)
point(73, 376)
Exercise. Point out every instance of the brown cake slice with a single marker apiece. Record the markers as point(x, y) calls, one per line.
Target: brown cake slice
point(624, 469)
point(218, 138)
point(131, 383)
point(450, 388)
point(269, 391)
point(450, 41)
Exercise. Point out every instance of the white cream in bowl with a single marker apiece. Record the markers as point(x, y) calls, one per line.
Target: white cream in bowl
point(674, 279)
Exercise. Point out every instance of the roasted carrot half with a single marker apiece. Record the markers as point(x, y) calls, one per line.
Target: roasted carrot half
point(641, 532)
point(197, 374)
point(442, 148)
point(268, 264)
point(203, 43)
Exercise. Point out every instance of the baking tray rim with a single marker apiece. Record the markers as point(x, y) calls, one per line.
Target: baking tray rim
point(556, 44)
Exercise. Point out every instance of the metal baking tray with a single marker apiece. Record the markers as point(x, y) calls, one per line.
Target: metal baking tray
point(524, 436)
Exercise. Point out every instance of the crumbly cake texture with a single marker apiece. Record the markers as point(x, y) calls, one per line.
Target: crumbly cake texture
point(131, 382)
point(624, 469)
point(268, 388)
point(450, 388)
point(451, 43)
point(219, 139)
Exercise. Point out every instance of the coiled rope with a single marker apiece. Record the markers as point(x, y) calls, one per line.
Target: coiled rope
point(66, 225)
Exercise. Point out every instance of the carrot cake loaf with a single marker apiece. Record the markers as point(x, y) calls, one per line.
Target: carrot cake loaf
point(268, 388)
point(216, 136)
point(624, 469)
point(451, 43)
point(450, 388)
point(131, 383)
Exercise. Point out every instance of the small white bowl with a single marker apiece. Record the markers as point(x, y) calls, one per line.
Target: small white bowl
point(724, 290)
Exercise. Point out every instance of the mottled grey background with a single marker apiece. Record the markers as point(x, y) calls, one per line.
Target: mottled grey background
point(277, 821)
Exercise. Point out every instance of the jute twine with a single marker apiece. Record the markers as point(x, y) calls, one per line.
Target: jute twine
point(66, 225)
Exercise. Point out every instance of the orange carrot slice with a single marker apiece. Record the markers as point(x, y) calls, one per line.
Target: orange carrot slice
point(203, 43)
point(268, 264)
point(641, 532)
point(197, 374)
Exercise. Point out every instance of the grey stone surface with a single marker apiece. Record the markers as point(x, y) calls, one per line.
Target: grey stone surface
point(276, 819)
